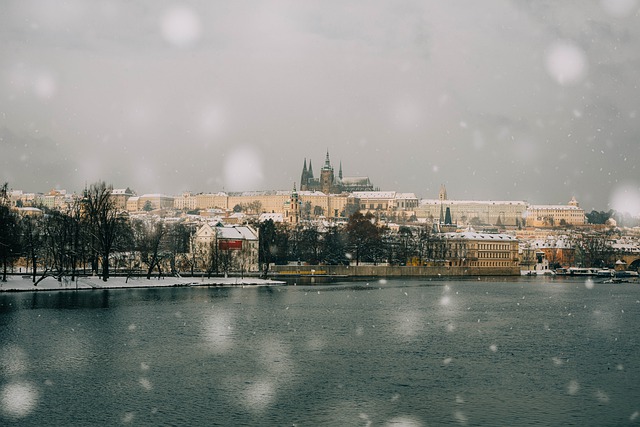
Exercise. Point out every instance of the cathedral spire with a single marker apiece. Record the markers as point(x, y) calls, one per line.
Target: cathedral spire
point(310, 172)
point(327, 162)
point(340, 171)
point(305, 175)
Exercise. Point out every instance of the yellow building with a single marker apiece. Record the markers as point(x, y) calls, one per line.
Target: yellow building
point(212, 201)
point(186, 201)
point(120, 197)
point(481, 250)
point(313, 203)
point(56, 199)
point(153, 201)
point(388, 202)
point(555, 215)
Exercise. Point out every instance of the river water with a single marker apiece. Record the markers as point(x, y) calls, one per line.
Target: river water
point(517, 351)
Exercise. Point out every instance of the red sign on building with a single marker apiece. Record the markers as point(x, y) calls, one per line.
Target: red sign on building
point(230, 245)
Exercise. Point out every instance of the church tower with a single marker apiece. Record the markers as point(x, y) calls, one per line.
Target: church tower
point(574, 202)
point(294, 207)
point(326, 176)
point(442, 195)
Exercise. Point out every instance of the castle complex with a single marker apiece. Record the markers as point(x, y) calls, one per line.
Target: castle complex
point(328, 183)
point(336, 197)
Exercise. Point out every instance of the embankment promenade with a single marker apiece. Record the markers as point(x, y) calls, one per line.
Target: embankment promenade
point(17, 283)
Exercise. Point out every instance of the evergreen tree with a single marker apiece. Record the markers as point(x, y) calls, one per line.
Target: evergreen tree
point(266, 244)
point(9, 239)
point(364, 237)
point(9, 233)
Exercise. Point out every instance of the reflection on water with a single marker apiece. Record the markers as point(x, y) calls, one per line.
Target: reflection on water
point(394, 352)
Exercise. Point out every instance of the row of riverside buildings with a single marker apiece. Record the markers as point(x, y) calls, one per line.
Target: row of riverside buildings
point(332, 198)
point(315, 204)
point(335, 197)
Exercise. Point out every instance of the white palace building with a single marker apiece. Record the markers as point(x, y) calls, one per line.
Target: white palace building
point(506, 213)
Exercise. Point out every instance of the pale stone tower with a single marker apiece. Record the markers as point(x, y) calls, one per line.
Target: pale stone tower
point(294, 207)
point(442, 195)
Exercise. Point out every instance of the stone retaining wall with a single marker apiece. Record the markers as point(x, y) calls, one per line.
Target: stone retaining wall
point(391, 271)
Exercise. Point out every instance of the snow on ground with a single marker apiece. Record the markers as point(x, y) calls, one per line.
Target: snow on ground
point(22, 283)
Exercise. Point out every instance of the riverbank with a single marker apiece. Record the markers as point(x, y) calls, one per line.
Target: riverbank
point(24, 284)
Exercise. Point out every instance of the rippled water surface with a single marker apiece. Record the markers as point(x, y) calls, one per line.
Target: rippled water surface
point(397, 352)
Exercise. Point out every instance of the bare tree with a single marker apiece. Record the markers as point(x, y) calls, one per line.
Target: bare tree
point(178, 238)
point(594, 250)
point(254, 207)
point(32, 242)
point(57, 231)
point(149, 238)
point(103, 220)
point(213, 255)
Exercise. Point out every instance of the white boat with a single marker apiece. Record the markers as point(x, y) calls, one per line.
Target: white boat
point(605, 272)
point(582, 271)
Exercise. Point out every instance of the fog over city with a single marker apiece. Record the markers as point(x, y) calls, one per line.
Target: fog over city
point(502, 100)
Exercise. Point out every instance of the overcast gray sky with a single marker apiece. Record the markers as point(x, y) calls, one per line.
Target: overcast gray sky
point(502, 100)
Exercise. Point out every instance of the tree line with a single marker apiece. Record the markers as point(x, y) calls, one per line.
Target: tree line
point(88, 236)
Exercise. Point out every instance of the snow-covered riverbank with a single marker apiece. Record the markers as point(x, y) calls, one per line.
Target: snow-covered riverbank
point(23, 284)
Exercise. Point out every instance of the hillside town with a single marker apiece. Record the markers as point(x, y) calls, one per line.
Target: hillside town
point(331, 224)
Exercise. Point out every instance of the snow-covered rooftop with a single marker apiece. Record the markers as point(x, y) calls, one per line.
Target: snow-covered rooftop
point(156, 195)
point(555, 207)
point(238, 233)
point(374, 194)
point(405, 196)
point(311, 193)
point(474, 202)
point(275, 217)
point(472, 235)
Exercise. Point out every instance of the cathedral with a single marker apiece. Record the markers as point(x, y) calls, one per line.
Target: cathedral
point(328, 183)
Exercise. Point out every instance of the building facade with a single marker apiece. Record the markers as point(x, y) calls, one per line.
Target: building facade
point(473, 212)
point(387, 202)
point(313, 203)
point(555, 215)
point(150, 202)
point(120, 197)
point(470, 249)
point(236, 247)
